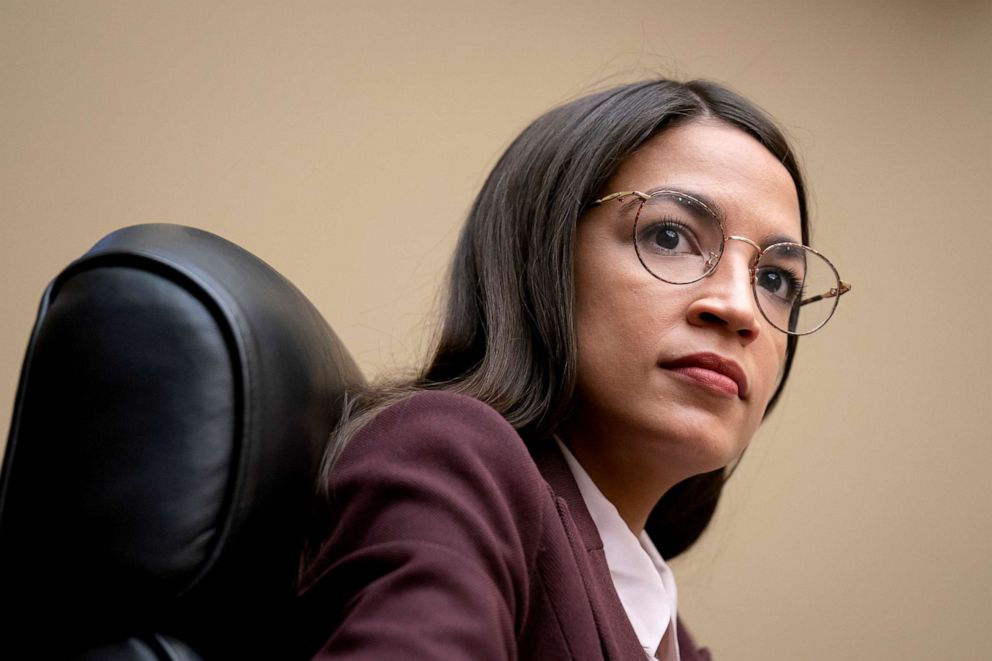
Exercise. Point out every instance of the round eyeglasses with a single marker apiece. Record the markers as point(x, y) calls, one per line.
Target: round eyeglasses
point(680, 240)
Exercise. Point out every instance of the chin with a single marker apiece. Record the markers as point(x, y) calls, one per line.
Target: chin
point(700, 446)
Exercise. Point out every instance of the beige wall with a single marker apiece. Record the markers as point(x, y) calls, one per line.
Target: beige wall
point(343, 142)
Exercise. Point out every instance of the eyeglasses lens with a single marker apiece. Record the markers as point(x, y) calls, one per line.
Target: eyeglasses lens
point(795, 287)
point(677, 238)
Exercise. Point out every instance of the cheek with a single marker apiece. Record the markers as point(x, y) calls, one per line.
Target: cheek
point(602, 329)
point(615, 297)
point(621, 312)
point(621, 328)
point(616, 310)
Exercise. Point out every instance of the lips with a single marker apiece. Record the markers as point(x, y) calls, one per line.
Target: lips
point(713, 372)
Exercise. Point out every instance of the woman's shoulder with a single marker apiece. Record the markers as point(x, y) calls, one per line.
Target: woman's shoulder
point(437, 407)
point(434, 506)
point(442, 447)
point(442, 430)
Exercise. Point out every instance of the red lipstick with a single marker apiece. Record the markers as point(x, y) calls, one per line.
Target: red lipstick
point(716, 373)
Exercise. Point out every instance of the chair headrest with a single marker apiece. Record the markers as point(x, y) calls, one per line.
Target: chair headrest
point(174, 405)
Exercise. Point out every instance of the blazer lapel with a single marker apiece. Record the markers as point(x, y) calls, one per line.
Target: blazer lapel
point(617, 636)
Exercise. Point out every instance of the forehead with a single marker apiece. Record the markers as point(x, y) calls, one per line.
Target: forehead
point(753, 190)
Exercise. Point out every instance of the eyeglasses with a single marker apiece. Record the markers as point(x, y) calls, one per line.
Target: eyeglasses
point(680, 240)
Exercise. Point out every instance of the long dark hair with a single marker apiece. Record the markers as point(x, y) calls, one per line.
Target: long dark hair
point(508, 331)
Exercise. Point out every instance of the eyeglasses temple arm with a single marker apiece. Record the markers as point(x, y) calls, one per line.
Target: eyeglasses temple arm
point(620, 196)
point(834, 291)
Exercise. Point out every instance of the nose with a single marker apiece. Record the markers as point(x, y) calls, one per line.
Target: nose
point(726, 299)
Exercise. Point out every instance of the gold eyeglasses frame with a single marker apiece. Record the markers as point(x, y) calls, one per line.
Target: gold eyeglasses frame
point(713, 260)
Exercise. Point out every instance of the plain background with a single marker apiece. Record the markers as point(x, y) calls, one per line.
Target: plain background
point(343, 143)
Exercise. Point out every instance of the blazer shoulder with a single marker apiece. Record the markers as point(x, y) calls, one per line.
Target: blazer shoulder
point(443, 431)
point(451, 451)
point(436, 507)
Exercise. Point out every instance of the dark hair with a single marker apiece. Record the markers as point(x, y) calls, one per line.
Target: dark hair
point(508, 331)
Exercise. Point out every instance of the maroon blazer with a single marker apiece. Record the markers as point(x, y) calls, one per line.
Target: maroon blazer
point(453, 540)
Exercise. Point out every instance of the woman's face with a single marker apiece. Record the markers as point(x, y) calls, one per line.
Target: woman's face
point(657, 394)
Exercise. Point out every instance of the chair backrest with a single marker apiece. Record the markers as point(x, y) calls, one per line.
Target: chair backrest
point(174, 404)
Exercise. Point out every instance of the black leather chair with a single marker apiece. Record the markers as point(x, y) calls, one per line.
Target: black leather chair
point(173, 407)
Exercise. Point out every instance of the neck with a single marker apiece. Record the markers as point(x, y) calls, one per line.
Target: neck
point(633, 485)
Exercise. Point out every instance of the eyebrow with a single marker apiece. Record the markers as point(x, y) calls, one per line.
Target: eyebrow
point(714, 206)
point(710, 203)
point(771, 239)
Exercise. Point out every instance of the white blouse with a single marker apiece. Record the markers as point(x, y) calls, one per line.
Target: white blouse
point(643, 581)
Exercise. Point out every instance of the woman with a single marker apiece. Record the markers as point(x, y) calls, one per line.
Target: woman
point(623, 310)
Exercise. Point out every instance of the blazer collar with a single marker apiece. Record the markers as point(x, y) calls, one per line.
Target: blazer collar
point(615, 631)
point(558, 475)
point(611, 619)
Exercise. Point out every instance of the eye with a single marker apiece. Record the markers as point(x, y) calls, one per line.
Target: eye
point(779, 283)
point(670, 237)
point(677, 239)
